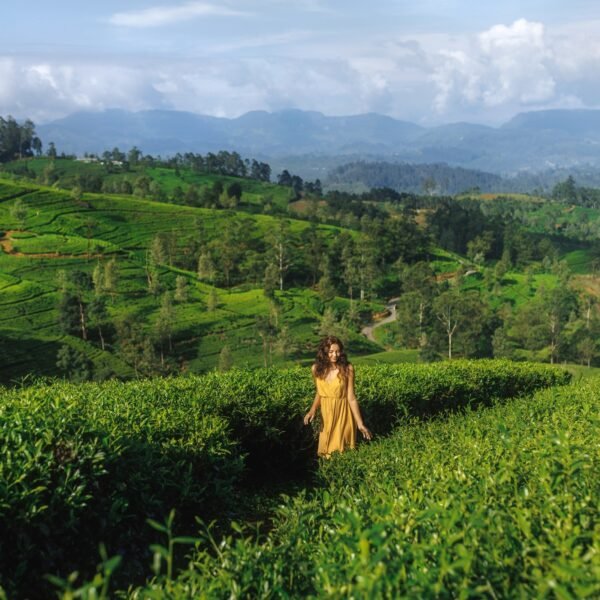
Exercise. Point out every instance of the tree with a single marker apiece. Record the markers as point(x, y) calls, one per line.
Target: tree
point(231, 246)
point(213, 300)
point(98, 279)
point(418, 283)
point(111, 277)
point(284, 178)
point(72, 307)
point(285, 344)
point(134, 346)
point(51, 152)
point(163, 327)
point(74, 364)
point(133, 156)
point(367, 264)
point(587, 349)
point(18, 212)
point(313, 247)
point(267, 331)
point(17, 141)
point(501, 344)
point(331, 325)
point(68, 313)
point(280, 240)
point(235, 191)
point(479, 247)
point(181, 289)
point(98, 316)
point(90, 225)
point(566, 191)
point(270, 280)
point(206, 267)
point(351, 269)
point(461, 315)
point(326, 287)
point(557, 306)
point(225, 359)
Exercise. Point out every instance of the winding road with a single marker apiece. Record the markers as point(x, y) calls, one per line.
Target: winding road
point(367, 330)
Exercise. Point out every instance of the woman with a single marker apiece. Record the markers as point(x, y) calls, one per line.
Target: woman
point(334, 379)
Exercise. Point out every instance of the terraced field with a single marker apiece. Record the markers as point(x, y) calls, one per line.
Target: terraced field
point(60, 235)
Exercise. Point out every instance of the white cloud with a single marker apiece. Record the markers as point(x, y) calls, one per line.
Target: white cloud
point(505, 65)
point(486, 77)
point(158, 16)
point(43, 90)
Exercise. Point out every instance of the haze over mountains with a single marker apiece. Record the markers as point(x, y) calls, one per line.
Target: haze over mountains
point(532, 141)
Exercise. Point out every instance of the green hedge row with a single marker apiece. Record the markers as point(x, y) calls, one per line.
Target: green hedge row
point(102, 458)
point(502, 502)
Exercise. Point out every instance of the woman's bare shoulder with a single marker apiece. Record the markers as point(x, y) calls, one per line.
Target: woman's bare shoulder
point(313, 369)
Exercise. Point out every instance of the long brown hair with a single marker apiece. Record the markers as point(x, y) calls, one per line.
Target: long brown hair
point(322, 364)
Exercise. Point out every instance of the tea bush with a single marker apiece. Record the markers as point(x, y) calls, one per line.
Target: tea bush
point(104, 457)
point(500, 502)
point(85, 464)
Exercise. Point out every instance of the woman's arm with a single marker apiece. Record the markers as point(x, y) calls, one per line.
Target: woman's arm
point(354, 405)
point(310, 415)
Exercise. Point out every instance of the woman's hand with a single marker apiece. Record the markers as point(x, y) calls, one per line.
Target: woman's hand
point(366, 433)
point(309, 416)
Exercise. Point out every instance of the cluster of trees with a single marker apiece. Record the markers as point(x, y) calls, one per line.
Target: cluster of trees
point(284, 257)
point(440, 320)
point(222, 163)
point(83, 312)
point(430, 179)
point(18, 140)
point(569, 192)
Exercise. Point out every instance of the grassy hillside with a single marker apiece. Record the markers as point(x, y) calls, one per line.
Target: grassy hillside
point(59, 235)
point(51, 234)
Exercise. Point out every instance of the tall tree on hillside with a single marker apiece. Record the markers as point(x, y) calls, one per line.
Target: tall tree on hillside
point(225, 359)
point(270, 280)
point(418, 281)
point(163, 327)
point(232, 245)
point(281, 242)
point(587, 349)
point(135, 346)
point(98, 279)
point(206, 267)
point(74, 364)
point(111, 277)
point(367, 264)
point(351, 269)
point(19, 212)
point(267, 331)
point(98, 317)
point(313, 248)
point(17, 141)
point(460, 315)
point(181, 289)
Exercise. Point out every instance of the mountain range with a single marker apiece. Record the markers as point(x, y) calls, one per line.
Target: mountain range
point(531, 141)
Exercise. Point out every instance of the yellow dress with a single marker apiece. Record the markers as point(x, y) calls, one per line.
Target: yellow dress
point(339, 427)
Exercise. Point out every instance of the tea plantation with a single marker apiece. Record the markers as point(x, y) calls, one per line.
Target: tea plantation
point(477, 484)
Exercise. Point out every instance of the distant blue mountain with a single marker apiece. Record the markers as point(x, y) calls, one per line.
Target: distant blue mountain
point(532, 141)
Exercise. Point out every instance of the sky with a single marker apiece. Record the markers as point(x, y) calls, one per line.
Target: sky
point(422, 61)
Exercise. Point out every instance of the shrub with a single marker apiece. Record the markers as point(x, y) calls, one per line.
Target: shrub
point(498, 502)
point(101, 458)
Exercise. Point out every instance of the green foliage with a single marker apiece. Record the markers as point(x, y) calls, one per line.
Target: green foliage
point(102, 458)
point(500, 502)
